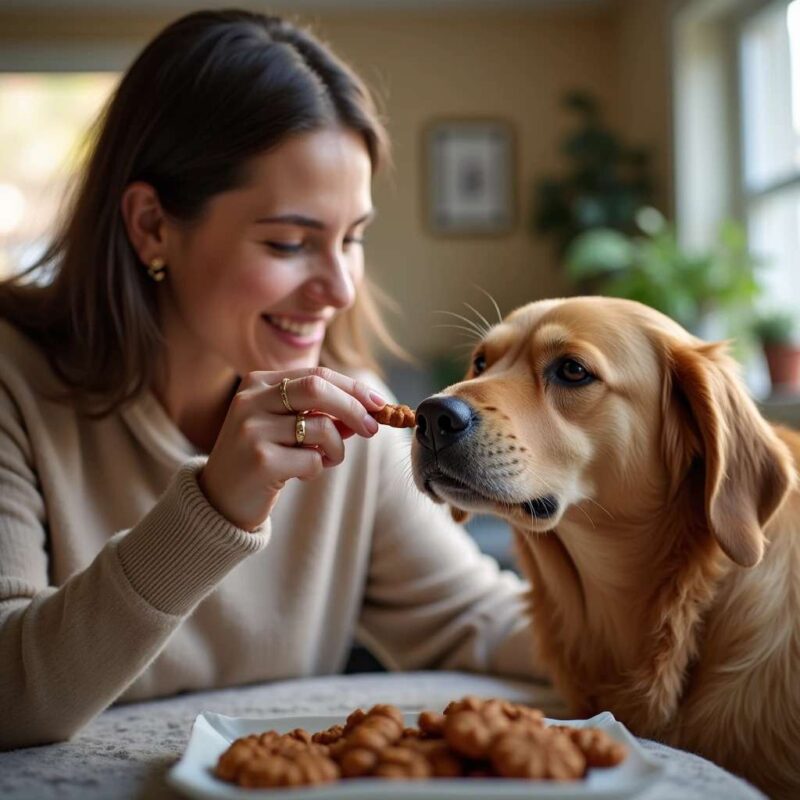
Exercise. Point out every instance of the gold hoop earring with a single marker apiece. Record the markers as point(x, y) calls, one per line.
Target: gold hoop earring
point(157, 269)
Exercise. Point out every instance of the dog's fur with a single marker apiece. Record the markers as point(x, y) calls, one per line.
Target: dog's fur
point(666, 585)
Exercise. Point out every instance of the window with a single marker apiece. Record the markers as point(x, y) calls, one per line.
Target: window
point(43, 119)
point(769, 58)
point(736, 80)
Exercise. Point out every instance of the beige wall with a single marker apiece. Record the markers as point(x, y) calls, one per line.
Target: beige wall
point(508, 64)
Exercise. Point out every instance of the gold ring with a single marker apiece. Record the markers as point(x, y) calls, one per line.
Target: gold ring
point(284, 397)
point(300, 429)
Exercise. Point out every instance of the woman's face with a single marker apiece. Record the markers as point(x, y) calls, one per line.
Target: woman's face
point(254, 284)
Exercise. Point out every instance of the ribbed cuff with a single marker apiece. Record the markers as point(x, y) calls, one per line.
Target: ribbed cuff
point(183, 548)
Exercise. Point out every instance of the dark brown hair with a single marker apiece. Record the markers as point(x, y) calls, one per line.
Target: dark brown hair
point(209, 93)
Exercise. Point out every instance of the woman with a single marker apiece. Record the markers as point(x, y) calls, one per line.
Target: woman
point(170, 519)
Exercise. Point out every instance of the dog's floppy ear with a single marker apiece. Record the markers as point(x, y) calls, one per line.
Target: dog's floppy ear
point(708, 416)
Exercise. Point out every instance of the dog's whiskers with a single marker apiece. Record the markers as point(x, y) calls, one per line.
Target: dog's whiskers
point(586, 514)
point(480, 316)
point(494, 302)
point(470, 331)
point(602, 508)
point(471, 322)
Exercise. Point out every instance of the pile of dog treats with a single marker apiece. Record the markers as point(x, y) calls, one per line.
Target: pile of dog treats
point(473, 737)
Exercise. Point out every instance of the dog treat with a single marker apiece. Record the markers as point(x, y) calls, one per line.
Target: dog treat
point(431, 724)
point(365, 737)
point(396, 415)
point(273, 759)
point(512, 711)
point(473, 738)
point(536, 753)
point(599, 749)
point(354, 719)
point(329, 736)
point(471, 725)
point(402, 763)
point(444, 763)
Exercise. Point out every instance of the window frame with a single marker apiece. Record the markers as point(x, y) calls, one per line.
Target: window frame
point(708, 176)
point(747, 197)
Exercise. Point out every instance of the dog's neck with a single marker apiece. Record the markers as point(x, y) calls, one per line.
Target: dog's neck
point(620, 603)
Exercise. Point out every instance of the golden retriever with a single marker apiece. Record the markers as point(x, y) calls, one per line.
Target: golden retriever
point(656, 515)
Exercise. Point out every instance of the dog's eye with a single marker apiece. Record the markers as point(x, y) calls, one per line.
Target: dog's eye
point(479, 364)
point(573, 372)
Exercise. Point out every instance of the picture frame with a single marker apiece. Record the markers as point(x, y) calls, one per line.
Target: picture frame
point(469, 183)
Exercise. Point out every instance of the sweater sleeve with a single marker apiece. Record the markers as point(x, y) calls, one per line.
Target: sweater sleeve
point(432, 599)
point(67, 652)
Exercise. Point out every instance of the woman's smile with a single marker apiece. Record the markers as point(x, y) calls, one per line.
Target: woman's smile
point(296, 331)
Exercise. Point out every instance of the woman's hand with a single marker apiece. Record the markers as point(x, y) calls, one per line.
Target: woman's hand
point(257, 451)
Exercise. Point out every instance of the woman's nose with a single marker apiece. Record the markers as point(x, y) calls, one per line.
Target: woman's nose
point(334, 283)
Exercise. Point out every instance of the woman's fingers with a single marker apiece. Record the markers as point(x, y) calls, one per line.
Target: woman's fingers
point(257, 449)
point(320, 432)
point(305, 463)
point(321, 390)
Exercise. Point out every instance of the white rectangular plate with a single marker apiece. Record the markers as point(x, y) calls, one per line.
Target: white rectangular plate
point(212, 733)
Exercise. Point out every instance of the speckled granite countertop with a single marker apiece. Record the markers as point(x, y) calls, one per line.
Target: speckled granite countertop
point(126, 752)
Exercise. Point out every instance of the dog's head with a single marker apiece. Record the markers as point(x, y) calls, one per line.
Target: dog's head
point(606, 404)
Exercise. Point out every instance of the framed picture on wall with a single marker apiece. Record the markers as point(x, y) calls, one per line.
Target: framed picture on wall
point(469, 177)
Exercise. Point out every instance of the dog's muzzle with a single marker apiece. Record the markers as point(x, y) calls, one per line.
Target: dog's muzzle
point(442, 421)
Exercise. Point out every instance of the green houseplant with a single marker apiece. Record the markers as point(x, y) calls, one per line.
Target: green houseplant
point(653, 268)
point(776, 330)
point(604, 182)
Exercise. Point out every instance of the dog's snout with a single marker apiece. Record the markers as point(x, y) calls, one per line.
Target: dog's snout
point(442, 421)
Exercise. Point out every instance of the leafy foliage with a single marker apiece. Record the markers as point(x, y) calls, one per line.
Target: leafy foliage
point(775, 327)
point(654, 269)
point(605, 184)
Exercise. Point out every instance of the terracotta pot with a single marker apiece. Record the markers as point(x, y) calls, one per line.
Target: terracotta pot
point(783, 361)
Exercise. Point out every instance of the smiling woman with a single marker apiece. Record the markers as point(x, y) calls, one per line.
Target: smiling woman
point(278, 250)
point(177, 507)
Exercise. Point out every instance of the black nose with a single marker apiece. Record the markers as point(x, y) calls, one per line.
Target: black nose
point(442, 421)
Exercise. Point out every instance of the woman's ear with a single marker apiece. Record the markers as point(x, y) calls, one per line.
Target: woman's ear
point(144, 220)
point(709, 417)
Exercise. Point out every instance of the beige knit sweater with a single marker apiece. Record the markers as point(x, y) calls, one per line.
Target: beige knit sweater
point(118, 580)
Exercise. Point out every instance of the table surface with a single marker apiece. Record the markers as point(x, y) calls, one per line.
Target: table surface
point(127, 751)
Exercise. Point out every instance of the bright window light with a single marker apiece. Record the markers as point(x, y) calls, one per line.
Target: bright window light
point(43, 121)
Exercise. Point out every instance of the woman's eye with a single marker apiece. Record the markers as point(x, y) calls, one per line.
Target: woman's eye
point(479, 363)
point(573, 372)
point(353, 240)
point(284, 247)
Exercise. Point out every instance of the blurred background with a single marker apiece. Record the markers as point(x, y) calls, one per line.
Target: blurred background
point(642, 148)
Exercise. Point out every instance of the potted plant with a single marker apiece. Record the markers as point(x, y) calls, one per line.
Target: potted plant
point(693, 288)
point(777, 332)
point(603, 182)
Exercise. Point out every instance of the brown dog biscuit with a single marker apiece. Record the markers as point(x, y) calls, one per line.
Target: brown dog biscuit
point(472, 724)
point(444, 763)
point(431, 724)
point(535, 753)
point(236, 756)
point(372, 731)
point(279, 769)
point(366, 736)
point(353, 719)
point(512, 711)
point(273, 759)
point(599, 749)
point(399, 763)
point(396, 415)
point(357, 761)
point(329, 735)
